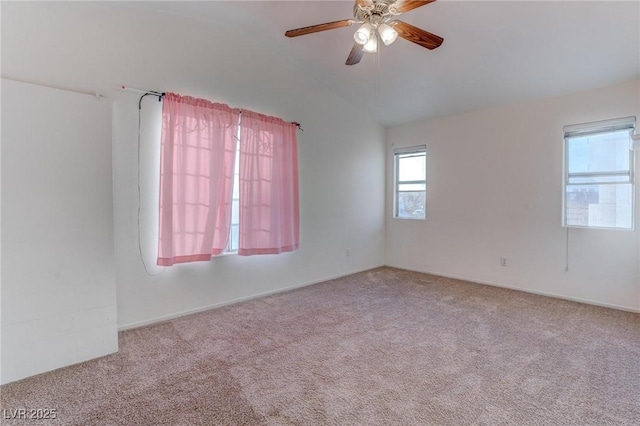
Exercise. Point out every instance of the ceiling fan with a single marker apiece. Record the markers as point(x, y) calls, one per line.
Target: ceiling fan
point(377, 19)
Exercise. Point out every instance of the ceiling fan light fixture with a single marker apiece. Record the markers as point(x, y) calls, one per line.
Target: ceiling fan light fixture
point(377, 21)
point(387, 34)
point(363, 34)
point(371, 46)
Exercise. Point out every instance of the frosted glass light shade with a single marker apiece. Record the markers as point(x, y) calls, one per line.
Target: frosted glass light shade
point(363, 34)
point(371, 45)
point(387, 34)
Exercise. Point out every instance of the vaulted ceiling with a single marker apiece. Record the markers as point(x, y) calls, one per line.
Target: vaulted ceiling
point(494, 52)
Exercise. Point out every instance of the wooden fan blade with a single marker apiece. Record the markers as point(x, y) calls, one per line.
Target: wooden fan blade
point(320, 27)
point(403, 6)
point(355, 55)
point(417, 35)
point(364, 3)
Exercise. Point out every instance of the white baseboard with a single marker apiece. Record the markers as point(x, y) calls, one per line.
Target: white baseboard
point(525, 290)
point(238, 300)
point(333, 277)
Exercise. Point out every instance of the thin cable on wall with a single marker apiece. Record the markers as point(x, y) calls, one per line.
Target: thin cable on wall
point(159, 95)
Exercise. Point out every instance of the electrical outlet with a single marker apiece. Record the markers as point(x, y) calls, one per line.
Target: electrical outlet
point(503, 261)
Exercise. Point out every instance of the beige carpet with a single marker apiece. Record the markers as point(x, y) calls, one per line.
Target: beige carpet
point(384, 347)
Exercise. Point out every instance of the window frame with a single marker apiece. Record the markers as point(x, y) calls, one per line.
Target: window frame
point(236, 185)
point(598, 128)
point(398, 153)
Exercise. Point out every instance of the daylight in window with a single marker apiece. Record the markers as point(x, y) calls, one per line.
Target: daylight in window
point(599, 184)
point(410, 182)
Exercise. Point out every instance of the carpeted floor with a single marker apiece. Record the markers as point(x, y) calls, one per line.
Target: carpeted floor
point(383, 347)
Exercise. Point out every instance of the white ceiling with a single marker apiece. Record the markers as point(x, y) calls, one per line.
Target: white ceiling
point(493, 53)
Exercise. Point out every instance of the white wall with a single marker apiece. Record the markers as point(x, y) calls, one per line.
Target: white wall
point(341, 163)
point(0, 214)
point(100, 46)
point(495, 175)
point(58, 280)
point(494, 189)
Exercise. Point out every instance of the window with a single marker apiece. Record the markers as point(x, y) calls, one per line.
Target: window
point(598, 175)
point(234, 233)
point(197, 207)
point(410, 182)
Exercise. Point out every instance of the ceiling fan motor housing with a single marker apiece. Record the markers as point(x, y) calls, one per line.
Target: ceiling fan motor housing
point(378, 22)
point(377, 13)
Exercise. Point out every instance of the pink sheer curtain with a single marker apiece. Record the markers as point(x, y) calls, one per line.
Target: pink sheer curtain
point(196, 178)
point(269, 207)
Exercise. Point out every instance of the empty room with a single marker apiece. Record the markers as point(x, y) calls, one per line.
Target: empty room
point(370, 212)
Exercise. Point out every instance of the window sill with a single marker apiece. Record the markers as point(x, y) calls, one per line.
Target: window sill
point(225, 254)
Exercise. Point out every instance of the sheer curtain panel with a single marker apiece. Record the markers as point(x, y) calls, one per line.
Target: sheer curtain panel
point(196, 178)
point(269, 205)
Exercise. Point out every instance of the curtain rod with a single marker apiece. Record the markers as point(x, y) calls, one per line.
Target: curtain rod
point(150, 92)
point(52, 86)
point(295, 123)
point(160, 95)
